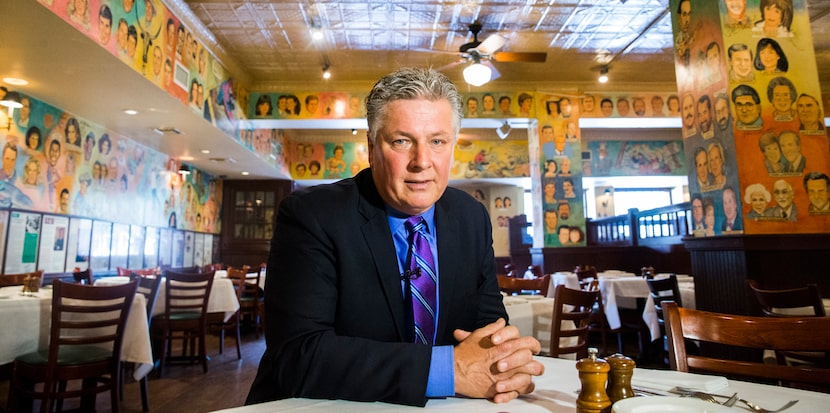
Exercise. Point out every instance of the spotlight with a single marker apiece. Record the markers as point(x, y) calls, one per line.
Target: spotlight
point(603, 75)
point(354, 131)
point(504, 130)
point(326, 72)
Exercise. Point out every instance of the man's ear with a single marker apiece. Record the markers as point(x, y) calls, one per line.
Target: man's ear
point(369, 147)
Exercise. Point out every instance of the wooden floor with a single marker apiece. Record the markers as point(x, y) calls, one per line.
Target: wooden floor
point(186, 388)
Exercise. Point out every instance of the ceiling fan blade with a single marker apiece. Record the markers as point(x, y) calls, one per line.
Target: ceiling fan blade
point(491, 44)
point(539, 57)
point(494, 74)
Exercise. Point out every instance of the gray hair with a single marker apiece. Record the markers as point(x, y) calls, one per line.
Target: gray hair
point(751, 189)
point(410, 84)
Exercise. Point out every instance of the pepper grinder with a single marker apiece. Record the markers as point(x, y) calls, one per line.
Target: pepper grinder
point(619, 380)
point(593, 373)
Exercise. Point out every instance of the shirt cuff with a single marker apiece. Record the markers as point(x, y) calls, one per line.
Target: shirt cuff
point(441, 382)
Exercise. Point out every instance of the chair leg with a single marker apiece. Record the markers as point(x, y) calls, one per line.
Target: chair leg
point(145, 400)
point(221, 339)
point(203, 349)
point(238, 339)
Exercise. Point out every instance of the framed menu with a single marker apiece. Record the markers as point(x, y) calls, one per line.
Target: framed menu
point(199, 249)
point(178, 249)
point(78, 244)
point(22, 241)
point(100, 252)
point(188, 249)
point(165, 246)
point(53, 242)
point(136, 252)
point(120, 246)
point(151, 247)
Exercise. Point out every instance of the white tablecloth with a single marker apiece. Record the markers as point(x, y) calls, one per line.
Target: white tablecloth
point(532, 315)
point(251, 277)
point(25, 322)
point(556, 392)
point(222, 295)
point(617, 286)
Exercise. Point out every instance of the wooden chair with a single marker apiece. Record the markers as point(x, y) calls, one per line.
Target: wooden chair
point(664, 289)
point(144, 272)
point(779, 333)
point(218, 321)
point(217, 266)
point(9, 280)
point(794, 302)
point(512, 285)
point(585, 274)
point(86, 331)
point(184, 317)
point(149, 288)
point(574, 306)
point(599, 324)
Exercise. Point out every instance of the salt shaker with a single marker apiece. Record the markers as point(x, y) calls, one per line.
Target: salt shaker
point(619, 379)
point(593, 373)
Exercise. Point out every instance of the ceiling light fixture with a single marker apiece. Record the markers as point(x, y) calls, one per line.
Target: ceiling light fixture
point(12, 102)
point(603, 75)
point(184, 170)
point(245, 173)
point(15, 81)
point(477, 74)
point(326, 72)
point(130, 112)
point(316, 34)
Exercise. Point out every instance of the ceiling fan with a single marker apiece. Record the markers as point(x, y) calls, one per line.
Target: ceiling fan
point(482, 53)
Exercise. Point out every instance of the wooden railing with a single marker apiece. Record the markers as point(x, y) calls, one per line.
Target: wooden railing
point(659, 226)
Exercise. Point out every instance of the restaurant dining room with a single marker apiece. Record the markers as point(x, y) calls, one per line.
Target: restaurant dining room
point(525, 206)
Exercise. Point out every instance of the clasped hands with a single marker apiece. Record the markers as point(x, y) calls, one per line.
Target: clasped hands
point(495, 362)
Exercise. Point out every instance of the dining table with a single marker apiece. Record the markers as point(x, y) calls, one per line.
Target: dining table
point(557, 391)
point(620, 289)
point(251, 277)
point(531, 315)
point(25, 321)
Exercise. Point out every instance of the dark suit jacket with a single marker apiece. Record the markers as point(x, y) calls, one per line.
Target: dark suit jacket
point(335, 320)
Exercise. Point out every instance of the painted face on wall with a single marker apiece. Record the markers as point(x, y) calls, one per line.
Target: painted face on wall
point(730, 205)
point(782, 100)
point(769, 58)
point(817, 192)
point(735, 8)
point(783, 193)
point(104, 30)
point(702, 166)
point(790, 146)
point(758, 202)
point(807, 109)
point(704, 117)
point(489, 103)
point(741, 63)
point(715, 161)
point(697, 210)
point(773, 152)
point(688, 113)
point(748, 111)
point(722, 113)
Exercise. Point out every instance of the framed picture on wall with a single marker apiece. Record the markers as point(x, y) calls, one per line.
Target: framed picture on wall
point(53, 243)
point(78, 244)
point(181, 77)
point(22, 242)
point(99, 256)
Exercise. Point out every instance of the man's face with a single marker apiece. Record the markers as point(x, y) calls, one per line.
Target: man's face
point(571, 128)
point(472, 106)
point(742, 63)
point(704, 117)
point(657, 105)
point(781, 98)
point(730, 205)
point(697, 210)
point(122, 35)
point(722, 113)
point(567, 187)
point(9, 159)
point(735, 8)
point(783, 194)
point(715, 161)
point(789, 147)
point(104, 30)
point(702, 166)
point(550, 190)
point(564, 211)
point(713, 57)
point(607, 108)
point(167, 78)
point(412, 155)
point(54, 153)
point(489, 103)
point(157, 60)
point(588, 104)
point(30, 172)
point(747, 110)
point(688, 112)
point(547, 134)
point(550, 221)
point(685, 15)
point(26, 109)
point(132, 42)
point(807, 109)
point(559, 143)
point(640, 107)
point(564, 235)
point(504, 105)
point(565, 106)
point(623, 107)
point(64, 202)
point(313, 105)
point(817, 192)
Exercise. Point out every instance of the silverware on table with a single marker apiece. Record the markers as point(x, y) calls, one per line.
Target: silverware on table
point(683, 391)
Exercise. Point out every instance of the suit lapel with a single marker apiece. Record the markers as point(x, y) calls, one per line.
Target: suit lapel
point(448, 241)
point(377, 235)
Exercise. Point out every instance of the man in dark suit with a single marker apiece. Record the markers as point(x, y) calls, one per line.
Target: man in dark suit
point(340, 321)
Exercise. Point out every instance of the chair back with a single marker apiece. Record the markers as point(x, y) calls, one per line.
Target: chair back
point(122, 272)
point(664, 289)
point(585, 274)
point(238, 277)
point(573, 309)
point(512, 285)
point(187, 293)
point(149, 288)
point(217, 266)
point(8, 280)
point(775, 303)
point(775, 333)
point(82, 276)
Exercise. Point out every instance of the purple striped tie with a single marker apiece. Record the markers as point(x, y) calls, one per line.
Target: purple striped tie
point(423, 282)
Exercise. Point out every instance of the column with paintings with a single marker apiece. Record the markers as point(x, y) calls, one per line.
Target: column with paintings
point(752, 120)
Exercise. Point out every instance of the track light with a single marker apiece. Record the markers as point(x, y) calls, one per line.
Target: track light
point(504, 130)
point(354, 131)
point(326, 72)
point(603, 75)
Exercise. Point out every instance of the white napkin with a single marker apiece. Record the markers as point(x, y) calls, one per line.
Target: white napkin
point(669, 379)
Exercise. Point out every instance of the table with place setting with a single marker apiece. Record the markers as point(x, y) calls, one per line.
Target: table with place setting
point(557, 391)
point(25, 321)
point(621, 289)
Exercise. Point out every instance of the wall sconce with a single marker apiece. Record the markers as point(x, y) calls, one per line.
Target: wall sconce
point(603, 75)
point(184, 171)
point(504, 130)
point(11, 101)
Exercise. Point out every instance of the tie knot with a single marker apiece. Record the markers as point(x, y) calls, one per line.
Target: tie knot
point(415, 224)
